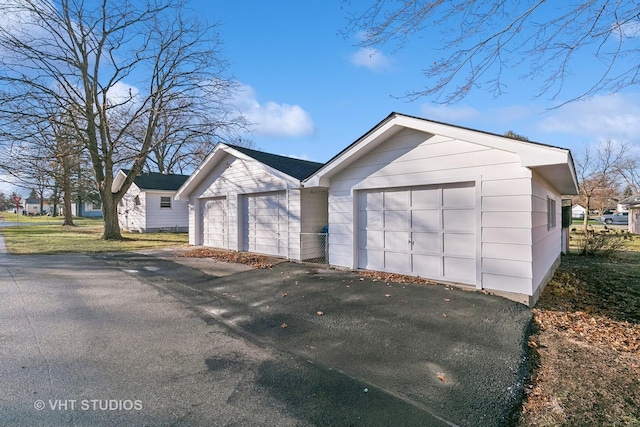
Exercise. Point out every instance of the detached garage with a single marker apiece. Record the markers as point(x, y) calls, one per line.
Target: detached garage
point(248, 200)
point(424, 198)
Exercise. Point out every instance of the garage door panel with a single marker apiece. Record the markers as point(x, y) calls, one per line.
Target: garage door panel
point(373, 239)
point(265, 224)
point(427, 266)
point(396, 240)
point(396, 220)
point(371, 201)
point(428, 231)
point(397, 261)
point(426, 242)
point(458, 196)
point(371, 220)
point(459, 219)
point(371, 259)
point(426, 220)
point(462, 269)
point(425, 198)
point(396, 199)
point(459, 244)
point(214, 222)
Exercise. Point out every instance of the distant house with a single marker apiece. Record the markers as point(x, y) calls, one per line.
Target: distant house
point(634, 216)
point(87, 209)
point(625, 204)
point(578, 211)
point(248, 200)
point(149, 206)
point(32, 207)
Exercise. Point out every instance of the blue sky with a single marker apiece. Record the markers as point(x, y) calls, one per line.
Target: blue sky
point(323, 92)
point(311, 92)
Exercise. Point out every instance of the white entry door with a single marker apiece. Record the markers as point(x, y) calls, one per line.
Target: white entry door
point(265, 223)
point(427, 231)
point(214, 222)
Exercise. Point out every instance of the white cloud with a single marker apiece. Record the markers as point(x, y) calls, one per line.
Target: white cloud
point(271, 118)
point(370, 58)
point(453, 115)
point(121, 93)
point(601, 117)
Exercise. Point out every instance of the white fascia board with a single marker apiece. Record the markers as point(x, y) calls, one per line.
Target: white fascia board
point(201, 172)
point(531, 154)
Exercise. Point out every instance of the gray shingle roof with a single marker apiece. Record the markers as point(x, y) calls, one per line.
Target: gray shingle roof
point(158, 181)
point(296, 168)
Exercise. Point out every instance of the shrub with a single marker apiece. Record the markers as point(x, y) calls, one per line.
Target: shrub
point(603, 242)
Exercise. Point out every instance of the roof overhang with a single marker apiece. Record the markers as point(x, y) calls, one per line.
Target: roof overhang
point(214, 159)
point(553, 164)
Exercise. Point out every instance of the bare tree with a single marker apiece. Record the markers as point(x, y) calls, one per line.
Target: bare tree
point(483, 38)
point(119, 69)
point(597, 170)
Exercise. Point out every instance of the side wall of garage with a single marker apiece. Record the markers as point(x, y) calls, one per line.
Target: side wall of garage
point(410, 159)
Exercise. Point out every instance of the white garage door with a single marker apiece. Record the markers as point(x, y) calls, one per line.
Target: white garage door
point(425, 231)
point(214, 222)
point(265, 223)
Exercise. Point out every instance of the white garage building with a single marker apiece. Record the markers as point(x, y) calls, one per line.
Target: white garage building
point(423, 198)
point(248, 200)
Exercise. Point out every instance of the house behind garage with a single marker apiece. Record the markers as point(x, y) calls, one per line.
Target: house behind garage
point(149, 206)
point(249, 200)
point(429, 199)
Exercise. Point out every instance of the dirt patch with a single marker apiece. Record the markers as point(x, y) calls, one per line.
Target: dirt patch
point(255, 260)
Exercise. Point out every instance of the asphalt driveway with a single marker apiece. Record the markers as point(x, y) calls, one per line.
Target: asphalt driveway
point(456, 357)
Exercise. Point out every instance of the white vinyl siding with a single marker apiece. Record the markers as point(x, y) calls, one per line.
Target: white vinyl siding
point(174, 219)
point(546, 241)
point(140, 211)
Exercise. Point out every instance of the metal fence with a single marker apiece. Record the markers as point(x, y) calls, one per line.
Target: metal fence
point(314, 247)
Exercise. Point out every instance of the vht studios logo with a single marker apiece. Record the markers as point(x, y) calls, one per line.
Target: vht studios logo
point(88, 405)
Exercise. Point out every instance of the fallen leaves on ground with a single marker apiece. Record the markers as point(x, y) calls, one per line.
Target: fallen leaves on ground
point(254, 260)
point(392, 277)
point(585, 353)
point(595, 330)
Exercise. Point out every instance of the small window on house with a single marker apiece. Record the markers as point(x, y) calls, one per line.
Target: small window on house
point(551, 213)
point(165, 202)
point(137, 200)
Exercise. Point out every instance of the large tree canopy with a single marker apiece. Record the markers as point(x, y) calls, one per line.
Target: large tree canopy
point(481, 39)
point(121, 77)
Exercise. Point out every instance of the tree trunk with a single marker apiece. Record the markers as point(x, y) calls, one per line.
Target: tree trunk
point(110, 215)
point(586, 214)
point(66, 190)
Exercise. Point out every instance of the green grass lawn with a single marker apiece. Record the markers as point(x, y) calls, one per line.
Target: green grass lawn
point(46, 235)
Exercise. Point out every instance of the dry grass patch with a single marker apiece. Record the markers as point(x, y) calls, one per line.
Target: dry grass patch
point(586, 351)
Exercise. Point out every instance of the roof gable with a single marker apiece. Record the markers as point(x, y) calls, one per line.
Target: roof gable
point(297, 168)
point(552, 163)
point(289, 169)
